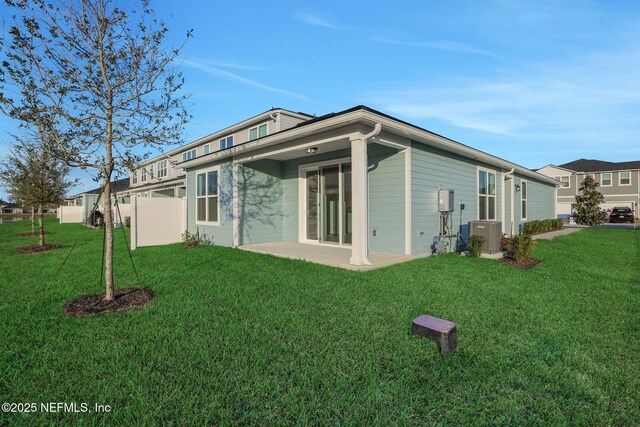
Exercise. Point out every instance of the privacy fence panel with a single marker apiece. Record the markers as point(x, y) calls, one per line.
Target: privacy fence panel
point(157, 221)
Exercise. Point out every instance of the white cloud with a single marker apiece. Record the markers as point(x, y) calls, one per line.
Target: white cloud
point(228, 75)
point(447, 45)
point(588, 100)
point(314, 20)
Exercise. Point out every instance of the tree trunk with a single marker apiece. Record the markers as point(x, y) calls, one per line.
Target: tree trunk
point(41, 225)
point(108, 254)
point(33, 220)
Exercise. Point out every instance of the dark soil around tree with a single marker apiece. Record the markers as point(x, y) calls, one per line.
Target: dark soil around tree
point(30, 233)
point(124, 299)
point(34, 249)
point(525, 264)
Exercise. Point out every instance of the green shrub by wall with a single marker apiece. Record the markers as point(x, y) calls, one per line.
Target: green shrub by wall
point(541, 226)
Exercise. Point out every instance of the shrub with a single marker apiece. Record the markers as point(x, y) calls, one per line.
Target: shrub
point(127, 221)
point(504, 243)
point(521, 247)
point(475, 245)
point(541, 226)
point(193, 240)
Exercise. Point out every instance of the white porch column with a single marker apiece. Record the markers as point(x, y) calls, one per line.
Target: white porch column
point(360, 200)
point(236, 210)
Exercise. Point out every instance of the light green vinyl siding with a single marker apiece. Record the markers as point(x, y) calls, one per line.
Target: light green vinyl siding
point(541, 199)
point(223, 233)
point(260, 202)
point(431, 170)
point(386, 199)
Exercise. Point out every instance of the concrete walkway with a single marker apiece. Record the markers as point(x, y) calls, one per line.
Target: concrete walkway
point(335, 256)
point(562, 232)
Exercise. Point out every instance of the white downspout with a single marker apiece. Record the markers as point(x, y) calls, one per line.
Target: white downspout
point(511, 209)
point(376, 130)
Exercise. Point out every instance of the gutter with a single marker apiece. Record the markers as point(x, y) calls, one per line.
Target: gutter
point(376, 130)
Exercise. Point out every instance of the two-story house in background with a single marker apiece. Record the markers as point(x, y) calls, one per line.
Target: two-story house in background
point(619, 183)
point(159, 177)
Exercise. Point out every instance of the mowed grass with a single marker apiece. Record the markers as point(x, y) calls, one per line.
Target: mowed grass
point(241, 338)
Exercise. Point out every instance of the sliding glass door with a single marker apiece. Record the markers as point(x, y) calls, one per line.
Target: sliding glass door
point(328, 203)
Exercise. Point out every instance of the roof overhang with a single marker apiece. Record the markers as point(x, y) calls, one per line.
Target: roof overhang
point(368, 118)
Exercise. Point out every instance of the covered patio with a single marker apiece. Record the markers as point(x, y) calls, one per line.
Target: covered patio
point(334, 256)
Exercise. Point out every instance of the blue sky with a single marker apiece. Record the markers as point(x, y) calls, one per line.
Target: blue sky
point(533, 82)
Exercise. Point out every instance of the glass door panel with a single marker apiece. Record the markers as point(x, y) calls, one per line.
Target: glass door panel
point(330, 204)
point(312, 205)
point(347, 205)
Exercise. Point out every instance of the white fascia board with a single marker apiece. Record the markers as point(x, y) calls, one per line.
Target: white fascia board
point(369, 118)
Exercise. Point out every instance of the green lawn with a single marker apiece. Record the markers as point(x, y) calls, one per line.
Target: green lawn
point(242, 338)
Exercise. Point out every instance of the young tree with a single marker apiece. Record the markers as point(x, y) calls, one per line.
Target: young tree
point(34, 178)
point(587, 206)
point(99, 80)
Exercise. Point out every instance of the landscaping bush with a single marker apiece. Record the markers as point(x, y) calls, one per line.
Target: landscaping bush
point(474, 246)
point(193, 240)
point(127, 221)
point(541, 226)
point(521, 247)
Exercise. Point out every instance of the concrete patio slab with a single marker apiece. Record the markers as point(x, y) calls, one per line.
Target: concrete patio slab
point(334, 256)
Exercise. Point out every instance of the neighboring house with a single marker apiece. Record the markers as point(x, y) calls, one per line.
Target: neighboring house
point(12, 208)
point(619, 182)
point(159, 177)
point(358, 178)
point(91, 199)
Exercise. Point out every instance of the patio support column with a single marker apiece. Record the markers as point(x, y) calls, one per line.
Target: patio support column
point(359, 199)
point(236, 210)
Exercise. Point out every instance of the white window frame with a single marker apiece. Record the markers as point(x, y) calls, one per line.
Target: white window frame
point(162, 167)
point(560, 178)
point(143, 175)
point(524, 199)
point(257, 129)
point(205, 172)
point(189, 155)
point(488, 196)
point(602, 184)
point(205, 149)
point(224, 142)
point(134, 177)
point(620, 178)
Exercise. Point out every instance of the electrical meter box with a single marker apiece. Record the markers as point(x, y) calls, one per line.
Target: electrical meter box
point(445, 200)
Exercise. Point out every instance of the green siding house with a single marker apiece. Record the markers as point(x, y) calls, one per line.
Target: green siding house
point(358, 178)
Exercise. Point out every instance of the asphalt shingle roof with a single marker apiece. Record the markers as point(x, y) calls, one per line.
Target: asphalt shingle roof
point(589, 165)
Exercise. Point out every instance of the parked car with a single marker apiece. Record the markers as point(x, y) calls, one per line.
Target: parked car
point(621, 215)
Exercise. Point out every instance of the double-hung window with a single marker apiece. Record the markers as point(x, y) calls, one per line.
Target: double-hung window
point(258, 132)
point(523, 196)
point(151, 172)
point(162, 168)
point(605, 179)
point(624, 178)
point(226, 142)
point(144, 174)
point(207, 200)
point(205, 149)
point(486, 195)
point(134, 177)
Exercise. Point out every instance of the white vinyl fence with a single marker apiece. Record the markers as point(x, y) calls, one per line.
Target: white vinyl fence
point(70, 214)
point(157, 221)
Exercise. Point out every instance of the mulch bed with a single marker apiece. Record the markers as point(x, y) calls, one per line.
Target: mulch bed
point(35, 249)
point(30, 233)
point(125, 299)
point(524, 264)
